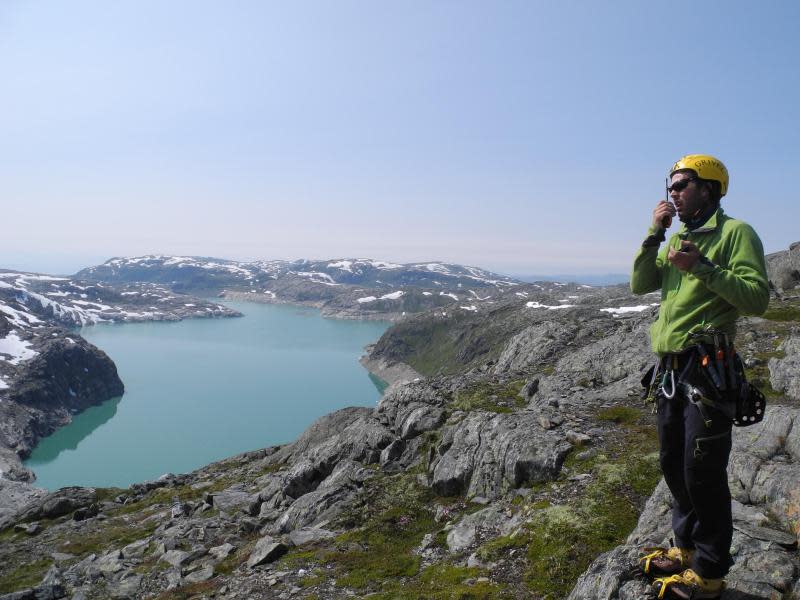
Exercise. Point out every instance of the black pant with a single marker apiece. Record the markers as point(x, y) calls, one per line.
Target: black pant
point(694, 459)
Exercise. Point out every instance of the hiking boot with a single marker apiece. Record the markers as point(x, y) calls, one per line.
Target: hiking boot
point(665, 561)
point(689, 586)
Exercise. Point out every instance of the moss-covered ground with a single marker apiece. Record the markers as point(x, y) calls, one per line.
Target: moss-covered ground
point(376, 558)
point(561, 540)
point(23, 576)
point(490, 396)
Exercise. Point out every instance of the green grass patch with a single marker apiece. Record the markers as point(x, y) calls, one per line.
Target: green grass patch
point(375, 554)
point(315, 577)
point(492, 397)
point(783, 312)
point(759, 374)
point(619, 414)
point(24, 576)
point(110, 534)
point(443, 582)
point(188, 592)
point(436, 353)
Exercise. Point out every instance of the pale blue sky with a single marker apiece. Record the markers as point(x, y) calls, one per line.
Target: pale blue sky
point(525, 137)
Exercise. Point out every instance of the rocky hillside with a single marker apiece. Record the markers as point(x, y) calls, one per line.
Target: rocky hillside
point(523, 465)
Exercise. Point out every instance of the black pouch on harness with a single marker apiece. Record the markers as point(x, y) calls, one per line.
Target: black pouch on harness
point(750, 405)
point(750, 402)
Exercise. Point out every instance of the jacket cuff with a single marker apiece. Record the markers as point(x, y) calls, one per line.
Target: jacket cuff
point(703, 269)
point(655, 235)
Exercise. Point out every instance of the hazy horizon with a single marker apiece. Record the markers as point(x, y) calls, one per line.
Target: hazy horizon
point(44, 265)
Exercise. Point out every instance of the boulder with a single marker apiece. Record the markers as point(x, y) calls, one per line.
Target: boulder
point(127, 586)
point(487, 454)
point(784, 371)
point(267, 550)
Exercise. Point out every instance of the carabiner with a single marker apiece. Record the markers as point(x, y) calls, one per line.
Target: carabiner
point(670, 395)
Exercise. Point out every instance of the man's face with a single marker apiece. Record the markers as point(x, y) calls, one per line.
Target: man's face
point(692, 200)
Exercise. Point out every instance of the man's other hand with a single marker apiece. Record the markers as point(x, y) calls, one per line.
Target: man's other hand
point(685, 258)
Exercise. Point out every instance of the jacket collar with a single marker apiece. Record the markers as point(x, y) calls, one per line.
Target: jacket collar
point(708, 226)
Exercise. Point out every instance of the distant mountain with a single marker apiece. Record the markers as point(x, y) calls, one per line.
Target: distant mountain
point(358, 288)
point(182, 272)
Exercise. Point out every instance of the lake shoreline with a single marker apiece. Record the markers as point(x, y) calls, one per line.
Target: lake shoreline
point(324, 390)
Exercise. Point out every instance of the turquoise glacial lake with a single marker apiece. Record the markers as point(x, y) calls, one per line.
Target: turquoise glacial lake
point(200, 390)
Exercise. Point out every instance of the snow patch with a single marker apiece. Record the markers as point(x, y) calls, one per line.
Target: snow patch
point(537, 305)
point(621, 310)
point(317, 277)
point(19, 318)
point(17, 349)
point(453, 296)
point(344, 265)
point(393, 295)
point(477, 297)
point(471, 308)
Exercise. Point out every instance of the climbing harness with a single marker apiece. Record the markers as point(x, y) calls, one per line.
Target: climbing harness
point(718, 381)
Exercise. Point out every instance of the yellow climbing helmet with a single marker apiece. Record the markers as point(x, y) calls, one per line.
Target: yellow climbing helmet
point(706, 167)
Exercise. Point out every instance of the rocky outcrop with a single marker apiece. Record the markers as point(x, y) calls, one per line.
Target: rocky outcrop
point(784, 371)
point(391, 373)
point(64, 376)
point(486, 455)
point(764, 473)
point(784, 268)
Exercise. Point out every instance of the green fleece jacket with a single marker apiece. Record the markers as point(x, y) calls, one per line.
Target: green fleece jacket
point(730, 281)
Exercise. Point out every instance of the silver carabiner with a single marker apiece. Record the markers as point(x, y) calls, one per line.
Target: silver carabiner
point(670, 395)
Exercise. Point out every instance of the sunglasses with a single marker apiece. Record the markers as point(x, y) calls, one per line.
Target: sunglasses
point(680, 185)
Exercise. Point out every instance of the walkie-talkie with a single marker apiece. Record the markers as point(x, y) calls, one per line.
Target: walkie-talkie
point(666, 222)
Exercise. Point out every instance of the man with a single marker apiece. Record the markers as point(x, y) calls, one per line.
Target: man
point(709, 273)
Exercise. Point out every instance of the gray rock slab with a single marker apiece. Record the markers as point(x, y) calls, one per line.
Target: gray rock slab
point(267, 550)
point(784, 371)
point(488, 454)
point(176, 558)
point(222, 552)
point(767, 534)
point(307, 535)
point(135, 549)
point(200, 575)
point(232, 499)
point(490, 522)
point(127, 587)
point(110, 563)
